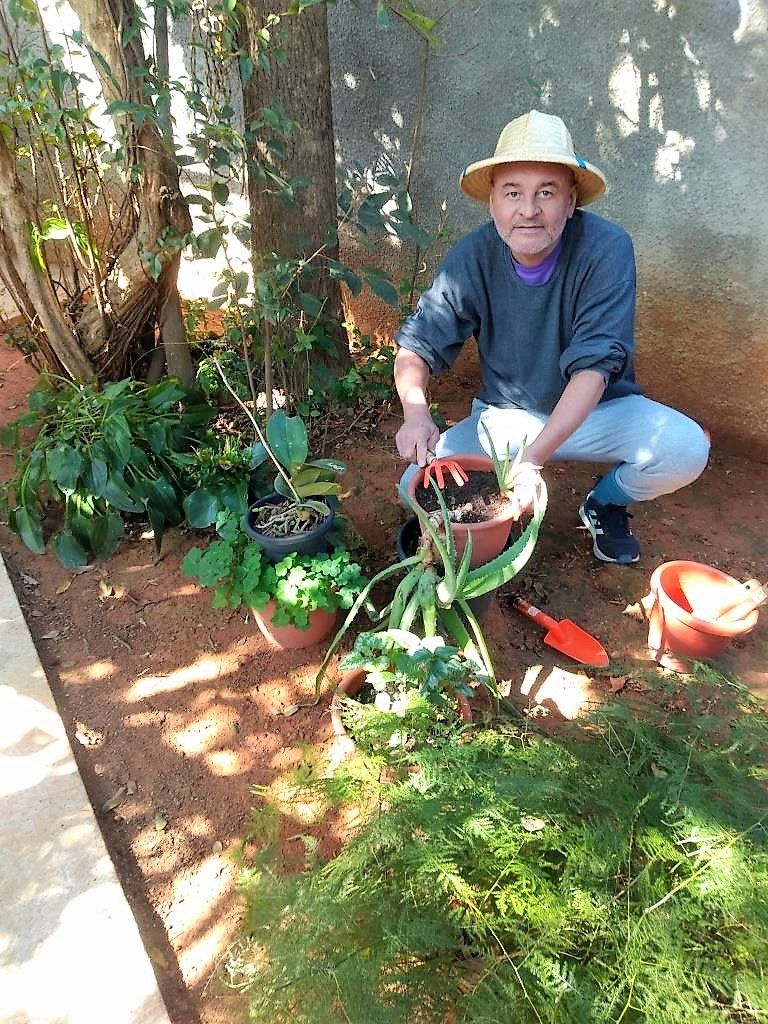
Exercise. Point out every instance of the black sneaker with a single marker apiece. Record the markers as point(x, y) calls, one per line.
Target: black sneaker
point(609, 526)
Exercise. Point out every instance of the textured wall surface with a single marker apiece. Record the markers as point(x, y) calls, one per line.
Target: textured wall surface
point(667, 98)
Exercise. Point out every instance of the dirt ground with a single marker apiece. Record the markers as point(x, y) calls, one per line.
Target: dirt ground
point(175, 711)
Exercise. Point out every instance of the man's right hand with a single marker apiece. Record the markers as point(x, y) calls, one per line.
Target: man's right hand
point(416, 439)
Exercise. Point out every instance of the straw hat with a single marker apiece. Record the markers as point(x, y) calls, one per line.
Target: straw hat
point(537, 138)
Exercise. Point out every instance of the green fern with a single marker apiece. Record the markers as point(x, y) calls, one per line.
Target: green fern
point(619, 874)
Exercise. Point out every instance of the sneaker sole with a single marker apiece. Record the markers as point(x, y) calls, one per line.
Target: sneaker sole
point(596, 551)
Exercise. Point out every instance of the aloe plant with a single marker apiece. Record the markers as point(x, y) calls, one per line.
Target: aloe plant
point(437, 584)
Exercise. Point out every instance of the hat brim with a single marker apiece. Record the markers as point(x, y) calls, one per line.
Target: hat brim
point(590, 181)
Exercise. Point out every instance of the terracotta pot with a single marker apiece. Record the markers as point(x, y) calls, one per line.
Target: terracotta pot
point(488, 538)
point(321, 625)
point(688, 598)
point(312, 542)
point(352, 683)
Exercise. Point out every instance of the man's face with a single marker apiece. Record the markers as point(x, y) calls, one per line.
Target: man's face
point(530, 204)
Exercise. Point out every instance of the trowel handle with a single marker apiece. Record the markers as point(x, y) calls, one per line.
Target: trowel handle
point(755, 593)
point(533, 613)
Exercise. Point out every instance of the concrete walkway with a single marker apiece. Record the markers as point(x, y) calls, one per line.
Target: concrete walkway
point(70, 951)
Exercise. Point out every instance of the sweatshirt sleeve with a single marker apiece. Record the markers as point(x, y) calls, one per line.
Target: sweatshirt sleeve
point(603, 327)
point(445, 317)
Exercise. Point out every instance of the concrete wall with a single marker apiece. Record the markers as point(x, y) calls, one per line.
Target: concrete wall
point(667, 98)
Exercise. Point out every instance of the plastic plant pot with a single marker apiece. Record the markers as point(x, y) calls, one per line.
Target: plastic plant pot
point(313, 542)
point(684, 621)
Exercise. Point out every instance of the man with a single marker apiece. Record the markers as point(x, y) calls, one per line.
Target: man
point(548, 292)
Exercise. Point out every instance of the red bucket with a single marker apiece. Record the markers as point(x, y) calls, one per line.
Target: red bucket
point(688, 600)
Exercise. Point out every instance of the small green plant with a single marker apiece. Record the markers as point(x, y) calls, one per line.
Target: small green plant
point(369, 381)
point(410, 686)
point(285, 443)
point(99, 454)
point(510, 472)
point(219, 479)
point(298, 476)
point(298, 584)
point(208, 378)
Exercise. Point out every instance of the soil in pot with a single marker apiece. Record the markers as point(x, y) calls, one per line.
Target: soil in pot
point(267, 520)
point(476, 501)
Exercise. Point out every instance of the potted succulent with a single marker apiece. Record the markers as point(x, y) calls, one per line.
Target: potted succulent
point(294, 601)
point(438, 582)
point(398, 688)
point(480, 504)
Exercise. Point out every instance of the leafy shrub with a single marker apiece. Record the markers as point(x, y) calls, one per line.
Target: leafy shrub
point(219, 480)
point(98, 454)
point(618, 875)
point(298, 584)
point(410, 687)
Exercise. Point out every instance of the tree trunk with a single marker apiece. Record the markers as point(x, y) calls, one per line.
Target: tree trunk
point(30, 285)
point(142, 301)
point(303, 85)
point(107, 325)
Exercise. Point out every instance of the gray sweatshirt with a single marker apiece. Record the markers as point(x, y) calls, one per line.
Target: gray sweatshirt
point(533, 338)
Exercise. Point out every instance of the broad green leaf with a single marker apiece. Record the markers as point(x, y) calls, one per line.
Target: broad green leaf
point(116, 388)
point(411, 232)
point(106, 535)
point(327, 487)
point(246, 69)
point(95, 475)
point(220, 192)
point(153, 264)
point(64, 464)
point(201, 508)
point(419, 22)
point(258, 455)
point(29, 528)
point(117, 434)
point(84, 243)
point(163, 497)
point(310, 303)
point(382, 287)
point(157, 437)
point(35, 247)
point(209, 242)
point(287, 436)
point(69, 551)
point(342, 273)
point(166, 394)
point(234, 499)
point(115, 492)
point(335, 465)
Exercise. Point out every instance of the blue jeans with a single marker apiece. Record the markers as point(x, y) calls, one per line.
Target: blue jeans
point(655, 450)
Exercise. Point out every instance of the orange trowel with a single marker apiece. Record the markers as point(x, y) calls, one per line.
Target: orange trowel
point(565, 636)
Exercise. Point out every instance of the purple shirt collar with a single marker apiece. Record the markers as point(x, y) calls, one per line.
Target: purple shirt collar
point(542, 272)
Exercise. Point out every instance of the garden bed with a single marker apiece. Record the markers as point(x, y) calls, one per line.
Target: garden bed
point(175, 711)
